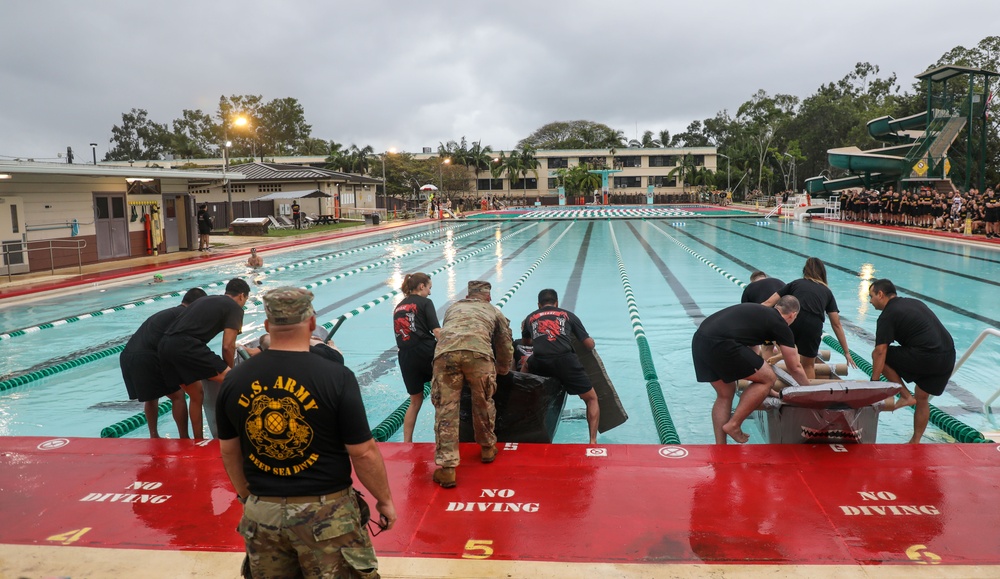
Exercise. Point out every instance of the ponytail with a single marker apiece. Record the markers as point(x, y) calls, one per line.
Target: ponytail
point(412, 281)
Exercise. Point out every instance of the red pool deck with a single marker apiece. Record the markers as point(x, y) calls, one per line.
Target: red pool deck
point(641, 510)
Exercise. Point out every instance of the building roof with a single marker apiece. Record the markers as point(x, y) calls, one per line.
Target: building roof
point(283, 172)
point(947, 71)
point(31, 167)
point(281, 195)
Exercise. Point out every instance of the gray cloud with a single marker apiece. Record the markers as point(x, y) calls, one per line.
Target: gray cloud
point(407, 75)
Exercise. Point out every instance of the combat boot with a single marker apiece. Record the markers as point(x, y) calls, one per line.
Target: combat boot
point(445, 476)
point(488, 454)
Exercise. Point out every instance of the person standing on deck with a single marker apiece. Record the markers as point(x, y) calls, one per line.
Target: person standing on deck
point(473, 347)
point(204, 228)
point(291, 427)
point(296, 214)
point(925, 354)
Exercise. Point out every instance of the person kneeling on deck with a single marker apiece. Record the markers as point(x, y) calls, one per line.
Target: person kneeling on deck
point(721, 348)
point(291, 426)
point(547, 330)
point(473, 347)
point(925, 354)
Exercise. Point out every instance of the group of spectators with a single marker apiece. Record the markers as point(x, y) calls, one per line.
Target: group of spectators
point(973, 212)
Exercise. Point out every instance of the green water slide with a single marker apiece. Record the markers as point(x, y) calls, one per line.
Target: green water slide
point(904, 130)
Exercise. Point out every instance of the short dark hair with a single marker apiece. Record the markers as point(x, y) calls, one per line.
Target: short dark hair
point(237, 286)
point(193, 294)
point(883, 285)
point(757, 275)
point(787, 304)
point(547, 297)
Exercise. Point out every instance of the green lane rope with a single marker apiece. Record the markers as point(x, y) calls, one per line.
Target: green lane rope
point(123, 427)
point(134, 304)
point(392, 423)
point(51, 370)
point(661, 414)
point(949, 424)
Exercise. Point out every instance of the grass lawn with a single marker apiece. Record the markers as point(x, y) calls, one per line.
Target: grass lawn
point(292, 232)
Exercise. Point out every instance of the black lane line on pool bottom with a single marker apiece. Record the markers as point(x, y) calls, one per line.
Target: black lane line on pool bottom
point(386, 361)
point(687, 301)
point(952, 308)
point(568, 300)
point(848, 233)
point(885, 256)
point(960, 393)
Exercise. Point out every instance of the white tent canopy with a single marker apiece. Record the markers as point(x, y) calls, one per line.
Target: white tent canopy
point(282, 195)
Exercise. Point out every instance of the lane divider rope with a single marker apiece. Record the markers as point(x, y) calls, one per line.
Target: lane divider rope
point(661, 414)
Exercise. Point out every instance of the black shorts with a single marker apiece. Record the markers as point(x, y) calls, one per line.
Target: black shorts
point(187, 360)
point(566, 368)
point(143, 378)
point(928, 371)
point(808, 332)
point(417, 366)
point(728, 361)
point(204, 228)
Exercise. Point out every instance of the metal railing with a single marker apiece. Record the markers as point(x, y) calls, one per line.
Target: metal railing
point(982, 336)
point(50, 245)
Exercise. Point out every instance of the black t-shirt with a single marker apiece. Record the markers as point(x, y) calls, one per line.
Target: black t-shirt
point(208, 316)
point(549, 330)
point(815, 299)
point(911, 323)
point(327, 352)
point(413, 321)
point(147, 337)
point(758, 291)
point(747, 324)
point(293, 412)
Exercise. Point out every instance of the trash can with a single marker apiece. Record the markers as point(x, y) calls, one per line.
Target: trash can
point(372, 218)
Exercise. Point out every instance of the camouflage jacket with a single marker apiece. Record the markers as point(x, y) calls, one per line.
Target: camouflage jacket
point(477, 326)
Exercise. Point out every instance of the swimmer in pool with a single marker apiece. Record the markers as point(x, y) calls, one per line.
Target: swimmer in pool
point(255, 260)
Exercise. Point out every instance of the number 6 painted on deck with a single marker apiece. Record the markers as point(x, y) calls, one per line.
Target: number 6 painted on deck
point(478, 545)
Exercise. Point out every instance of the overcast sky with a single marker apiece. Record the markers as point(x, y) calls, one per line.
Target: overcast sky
point(414, 74)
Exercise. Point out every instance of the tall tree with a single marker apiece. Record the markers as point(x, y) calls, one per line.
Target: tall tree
point(283, 124)
point(573, 135)
point(138, 138)
point(193, 135)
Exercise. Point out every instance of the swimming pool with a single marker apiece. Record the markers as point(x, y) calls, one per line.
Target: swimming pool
point(680, 271)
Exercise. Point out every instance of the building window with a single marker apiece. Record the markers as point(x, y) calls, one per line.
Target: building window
point(15, 226)
point(202, 191)
point(699, 160)
point(595, 162)
point(558, 162)
point(525, 183)
point(662, 160)
point(13, 253)
point(241, 188)
point(269, 187)
point(622, 182)
point(347, 199)
point(553, 183)
point(489, 184)
point(663, 181)
point(630, 161)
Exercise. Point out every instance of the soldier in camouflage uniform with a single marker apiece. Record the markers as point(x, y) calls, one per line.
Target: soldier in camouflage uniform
point(291, 426)
point(473, 347)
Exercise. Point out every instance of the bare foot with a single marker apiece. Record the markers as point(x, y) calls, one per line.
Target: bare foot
point(735, 433)
point(905, 400)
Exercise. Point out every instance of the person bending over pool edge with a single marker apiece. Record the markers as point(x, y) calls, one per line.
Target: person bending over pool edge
point(547, 330)
point(925, 354)
point(722, 352)
point(184, 353)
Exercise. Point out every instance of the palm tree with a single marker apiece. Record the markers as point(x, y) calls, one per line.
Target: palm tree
point(685, 167)
point(528, 164)
point(480, 159)
point(499, 166)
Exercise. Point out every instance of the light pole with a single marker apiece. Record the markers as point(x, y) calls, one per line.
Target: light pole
point(728, 167)
point(225, 177)
point(242, 121)
point(385, 187)
point(93, 149)
point(446, 161)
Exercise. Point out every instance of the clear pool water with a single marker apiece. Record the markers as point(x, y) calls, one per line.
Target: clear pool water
point(675, 268)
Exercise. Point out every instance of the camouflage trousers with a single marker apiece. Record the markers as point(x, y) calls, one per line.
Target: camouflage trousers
point(321, 539)
point(451, 371)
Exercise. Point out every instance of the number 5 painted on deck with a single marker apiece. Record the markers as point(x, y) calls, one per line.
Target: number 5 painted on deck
point(478, 545)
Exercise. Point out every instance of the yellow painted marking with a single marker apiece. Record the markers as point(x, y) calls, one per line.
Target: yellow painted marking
point(921, 556)
point(483, 546)
point(69, 536)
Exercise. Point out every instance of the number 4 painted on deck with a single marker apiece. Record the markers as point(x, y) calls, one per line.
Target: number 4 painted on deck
point(478, 545)
point(69, 536)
